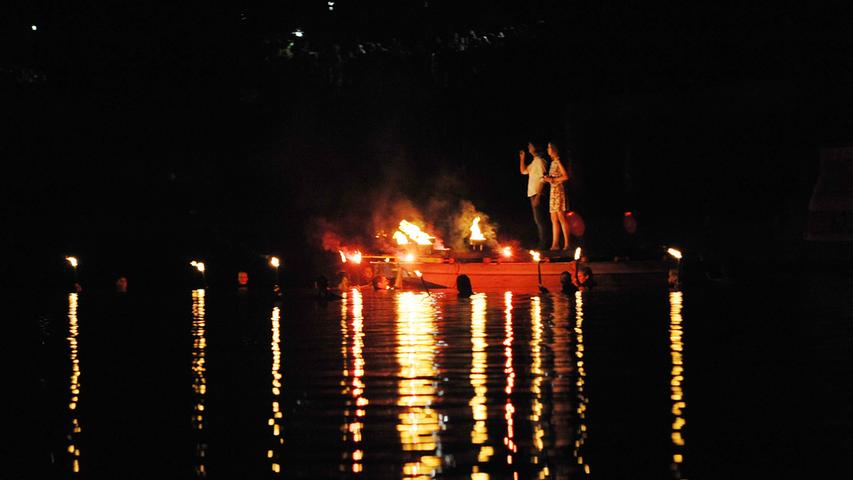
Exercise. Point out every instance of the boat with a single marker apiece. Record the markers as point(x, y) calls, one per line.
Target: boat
point(487, 273)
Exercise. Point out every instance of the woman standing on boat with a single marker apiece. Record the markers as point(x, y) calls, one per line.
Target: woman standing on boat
point(557, 175)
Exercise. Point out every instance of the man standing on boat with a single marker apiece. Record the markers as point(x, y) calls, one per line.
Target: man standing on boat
point(535, 172)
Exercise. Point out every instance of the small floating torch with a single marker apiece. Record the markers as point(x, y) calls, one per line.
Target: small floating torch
point(538, 259)
point(200, 267)
point(275, 263)
point(423, 282)
point(73, 262)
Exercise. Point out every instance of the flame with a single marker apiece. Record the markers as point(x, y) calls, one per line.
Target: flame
point(401, 238)
point(415, 233)
point(507, 252)
point(198, 265)
point(675, 253)
point(72, 261)
point(354, 257)
point(578, 253)
point(418, 273)
point(476, 234)
point(535, 255)
point(275, 262)
point(410, 257)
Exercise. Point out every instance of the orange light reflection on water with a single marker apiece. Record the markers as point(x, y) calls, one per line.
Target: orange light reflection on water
point(676, 342)
point(509, 371)
point(354, 389)
point(274, 422)
point(536, 378)
point(418, 423)
point(479, 379)
point(74, 383)
point(582, 400)
point(199, 380)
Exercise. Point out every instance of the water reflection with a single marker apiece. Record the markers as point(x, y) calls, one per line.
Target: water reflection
point(509, 371)
point(537, 376)
point(274, 422)
point(354, 389)
point(419, 423)
point(582, 400)
point(74, 382)
point(199, 381)
point(676, 348)
point(479, 382)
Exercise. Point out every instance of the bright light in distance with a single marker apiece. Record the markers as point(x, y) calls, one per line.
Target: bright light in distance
point(298, 33)
point(275, 262)
point(675, 253)
point(198, 265)
point(506, 252)
point(34, 28)
point(409, 257)
point(72, 261)
point(535, 255)
point(578, 253)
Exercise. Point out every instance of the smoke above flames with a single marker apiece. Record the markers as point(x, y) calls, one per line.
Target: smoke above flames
point(374, 227)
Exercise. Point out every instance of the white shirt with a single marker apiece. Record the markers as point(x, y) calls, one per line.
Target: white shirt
point(535, 172)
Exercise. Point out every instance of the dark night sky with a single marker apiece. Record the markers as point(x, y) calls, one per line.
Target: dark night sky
point(163, 129)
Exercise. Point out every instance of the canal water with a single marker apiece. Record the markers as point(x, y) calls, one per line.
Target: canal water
point(635, 382)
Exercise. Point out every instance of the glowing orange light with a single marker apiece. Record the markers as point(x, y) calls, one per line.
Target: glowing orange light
point(72, 261)
point(198, 265)
point(343, 256)
point(535, 255)
point(356, 257)
point(476, 233)
point(410, 257)
point(275, 262)
point(578, 253)
point(507, 252)
point(400, 238)
point(415, 233)
point(675, 253)
point(418, 273)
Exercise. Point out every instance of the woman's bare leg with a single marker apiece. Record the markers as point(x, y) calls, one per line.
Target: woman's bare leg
point(564, 225)
point(555, 231)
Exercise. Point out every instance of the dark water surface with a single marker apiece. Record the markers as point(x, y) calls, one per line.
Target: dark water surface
point(717, 382)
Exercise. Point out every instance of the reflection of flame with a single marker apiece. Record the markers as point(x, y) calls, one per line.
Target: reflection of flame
point(535, 255)
point(479, 406)
point(476, 234)
point(419, 425)
point(73, 331)
point(509, 408)
point(354, 417)
point(582, 399)
point(275, 419)
point(199, 369)
point(676, 342)
point(415, 233)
